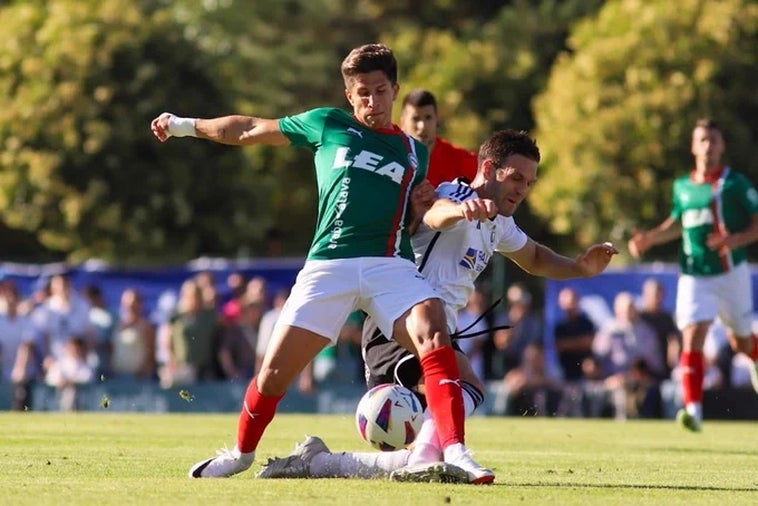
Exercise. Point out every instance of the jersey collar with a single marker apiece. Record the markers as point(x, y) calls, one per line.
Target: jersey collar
point(709, 178)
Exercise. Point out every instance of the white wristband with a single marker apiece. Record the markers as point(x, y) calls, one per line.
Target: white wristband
point(181, 127)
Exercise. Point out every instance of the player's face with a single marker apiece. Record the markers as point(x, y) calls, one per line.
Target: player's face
point(371, 96)
point(420, 123)
point(707, 145)
point(509, 184)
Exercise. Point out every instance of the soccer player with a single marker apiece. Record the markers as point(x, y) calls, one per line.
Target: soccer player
point(419, 118)
point(360, 257)
point(452, 247)
point(715, 212)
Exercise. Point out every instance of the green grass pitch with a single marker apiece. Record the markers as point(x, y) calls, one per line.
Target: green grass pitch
point(121, 458)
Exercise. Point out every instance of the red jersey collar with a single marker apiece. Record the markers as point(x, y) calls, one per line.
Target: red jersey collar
point(392, 129)
point(709, 178)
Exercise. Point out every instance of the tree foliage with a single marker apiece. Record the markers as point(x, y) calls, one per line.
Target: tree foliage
point(615, 119)
point(79, 83)
point(81, 175)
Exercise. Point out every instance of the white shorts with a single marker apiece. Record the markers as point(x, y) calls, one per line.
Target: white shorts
point(728, 296)
point(327, 291)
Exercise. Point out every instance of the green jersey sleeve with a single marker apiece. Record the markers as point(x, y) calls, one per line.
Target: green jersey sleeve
point(305, 129)
point(422, 154)
point(746, 193)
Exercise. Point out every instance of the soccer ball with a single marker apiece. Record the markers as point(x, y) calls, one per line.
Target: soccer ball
point(389, 417)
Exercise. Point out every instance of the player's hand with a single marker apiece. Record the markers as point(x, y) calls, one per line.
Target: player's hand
point(597, 257)
point(422, 198)
point(719, 241)
point(478, 209)
point(638, 244)
point(159, 126)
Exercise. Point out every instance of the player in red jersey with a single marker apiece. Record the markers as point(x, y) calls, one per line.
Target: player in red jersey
point(446, 161)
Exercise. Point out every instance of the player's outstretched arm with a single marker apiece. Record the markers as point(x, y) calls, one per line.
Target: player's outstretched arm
point(539, 260)
point(233, 130)
point(667, 231)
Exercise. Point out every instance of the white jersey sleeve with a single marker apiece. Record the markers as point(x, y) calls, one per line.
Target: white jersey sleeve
point(511, 237)
point(455, 191)
point(453, 258)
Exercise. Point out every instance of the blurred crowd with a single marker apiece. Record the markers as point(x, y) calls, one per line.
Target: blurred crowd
point(65, 338)
point(609, 364)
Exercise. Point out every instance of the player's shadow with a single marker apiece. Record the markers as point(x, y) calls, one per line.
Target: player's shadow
point(749, 453)
point(702, 488)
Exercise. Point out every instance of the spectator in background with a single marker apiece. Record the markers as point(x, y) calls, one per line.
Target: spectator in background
point(19, 358)
point(39, 295)
point(69, 371)
point(574, 334)
point(236, 353)
point(529, 388)
point(526, 328)
point(234, 298)
point(419, 119)
point(62, 315)
point(256, 292)
point(133, 350)
point(102, 323)
point(268, 321)
point(715, 213)
point(14, 329)
point(643, 393)
point(473, 347)
point(206, 281)
point(619, 343)
point(662, 321)
point(192, 340)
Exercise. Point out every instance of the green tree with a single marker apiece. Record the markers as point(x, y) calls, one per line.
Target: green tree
point(276, 59)
point(79, 83)
point(615, 119)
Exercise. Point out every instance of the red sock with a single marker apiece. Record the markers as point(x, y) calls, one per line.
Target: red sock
point(443, 394)
point(754, 353)
point(257, 412)
point(691, 363)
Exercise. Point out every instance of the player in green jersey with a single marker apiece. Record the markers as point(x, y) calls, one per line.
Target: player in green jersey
point(360, 257)
point(715, 212)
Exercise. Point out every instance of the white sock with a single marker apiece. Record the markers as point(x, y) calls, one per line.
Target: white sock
point(453, 451)
point(695, 409)
point(357, 465)
point(427, 447)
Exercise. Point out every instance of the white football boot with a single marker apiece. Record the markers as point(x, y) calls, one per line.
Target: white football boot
point(226, 463)
point(433, 472)
point(298, 463)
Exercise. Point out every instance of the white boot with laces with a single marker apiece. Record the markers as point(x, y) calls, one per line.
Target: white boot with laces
point(226, 463)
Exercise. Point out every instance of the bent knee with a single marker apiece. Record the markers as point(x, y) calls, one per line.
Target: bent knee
point(270, 382)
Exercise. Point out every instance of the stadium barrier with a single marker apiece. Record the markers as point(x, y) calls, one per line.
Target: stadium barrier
point(334, 398)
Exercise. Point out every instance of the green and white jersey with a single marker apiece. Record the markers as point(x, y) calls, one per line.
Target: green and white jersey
point(364, 180)
point(727, 204)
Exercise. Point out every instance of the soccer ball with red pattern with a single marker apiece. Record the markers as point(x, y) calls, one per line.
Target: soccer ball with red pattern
point(389, 417)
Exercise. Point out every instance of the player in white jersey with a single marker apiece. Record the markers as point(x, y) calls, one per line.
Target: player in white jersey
point(452, 248)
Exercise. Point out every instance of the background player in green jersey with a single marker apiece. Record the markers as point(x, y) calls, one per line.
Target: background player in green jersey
point(360, 257)
point(715, 212)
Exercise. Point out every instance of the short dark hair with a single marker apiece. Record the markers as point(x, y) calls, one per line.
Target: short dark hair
point(420, 98)
point(507, 142)
point(708, 123)
point(368, 58)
